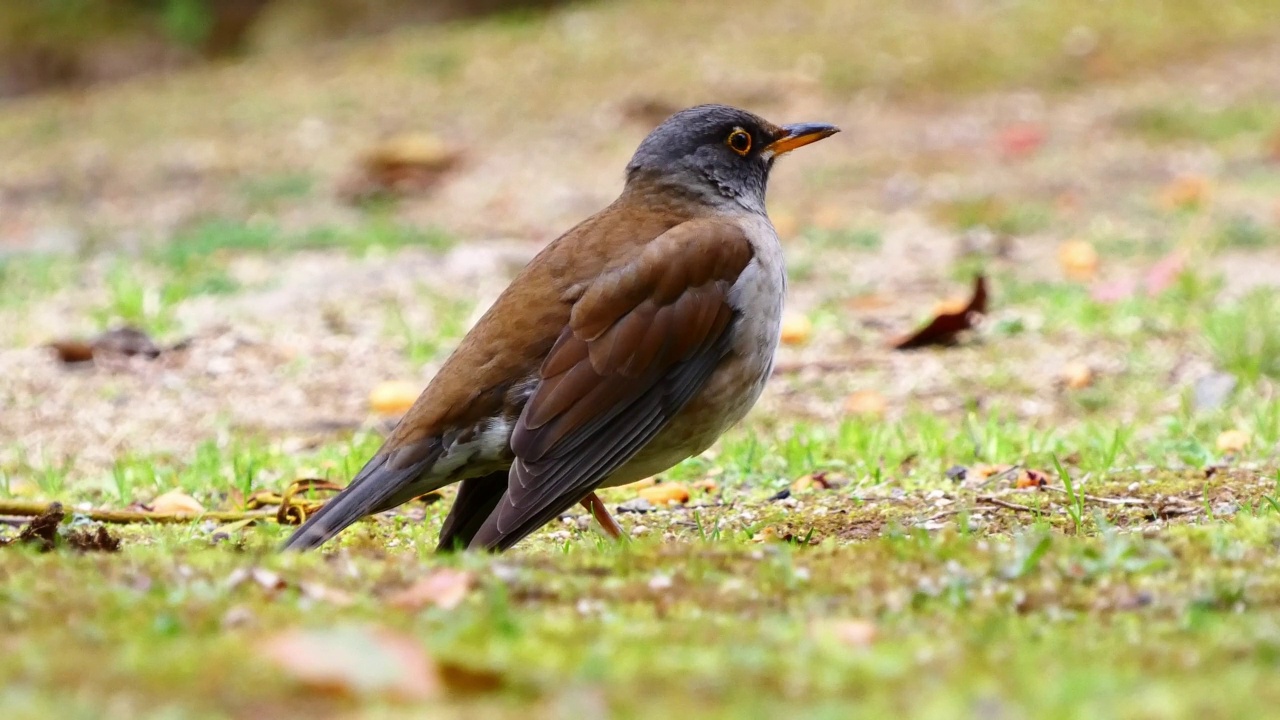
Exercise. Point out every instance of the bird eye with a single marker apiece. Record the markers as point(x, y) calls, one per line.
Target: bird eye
point(740, 141)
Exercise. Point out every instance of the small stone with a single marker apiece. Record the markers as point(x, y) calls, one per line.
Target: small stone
point(636, 505)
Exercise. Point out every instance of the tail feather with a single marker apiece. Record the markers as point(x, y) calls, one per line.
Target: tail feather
point(376, 488)
point(477, 497)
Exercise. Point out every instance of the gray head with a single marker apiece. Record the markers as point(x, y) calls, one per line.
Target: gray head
point(720, 153)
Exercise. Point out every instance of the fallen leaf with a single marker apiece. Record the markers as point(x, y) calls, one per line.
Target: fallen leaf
point(868, 301)
point(796, 329)
point(97, 539)
point(353, 660)
point(812, 481)
point(707, 485)
point(1031, 479)
point(944, 327)
point(665, 494)
point(1233, 441)
point(1078, 260)
point(461, 680)
point(444, 588)
point(1164, 273)
point(394, 397)
point(865, 402)
point(1076, 375)
point(1020, 139)
point(1186, 192)
point(405, 164)
point(121, 341)
point(1158, 278)
point(853, 632)
point(42, 530)
point(175, 502)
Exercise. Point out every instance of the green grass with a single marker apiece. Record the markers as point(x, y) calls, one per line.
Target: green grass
point(1189, 122)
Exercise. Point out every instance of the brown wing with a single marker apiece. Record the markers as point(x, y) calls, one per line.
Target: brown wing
point(641, 341)
point(484, 379)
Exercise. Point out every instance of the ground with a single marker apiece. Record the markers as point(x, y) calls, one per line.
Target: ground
point(1073, 512)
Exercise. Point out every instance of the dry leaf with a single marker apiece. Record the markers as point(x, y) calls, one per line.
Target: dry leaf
point(707, 485)
point(665, 494)
point(348, 660)
point(1233, 441)
point(944, 327)
point(1078, 259)
point(1031, 479)
point(1186, 192)
point(1021, 139)
point(121, 341)
point(400, 165)
point(865, 402)
point(796, 329)
point(812, 481)
point(443, 588)
point(394, 397)
point(176, 502)
point(1076, 375)
point(462, 680)
point(854, 632)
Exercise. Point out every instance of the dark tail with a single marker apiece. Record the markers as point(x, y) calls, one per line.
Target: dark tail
point(376, 488)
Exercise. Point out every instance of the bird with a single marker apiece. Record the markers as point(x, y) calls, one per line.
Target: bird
point(628, 344)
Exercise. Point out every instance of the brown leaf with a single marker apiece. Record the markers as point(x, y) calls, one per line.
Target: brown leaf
point(1233, 441)
point(1186, 192)
point(461, 680)
point(1076, 375)
point(443, 588)
point(352, 660)
point(796, 329)
point(42, 530)
point(1078, 259)
point(99, 539)
point(394, 397)
point(401, 165)
point(866, 402)
point(1021, 139)
point(72, 351)
point(1031, 479)
point(176, 502)
point(851, 632)
point(665, 494)
point(944, 327)
point(122, 341)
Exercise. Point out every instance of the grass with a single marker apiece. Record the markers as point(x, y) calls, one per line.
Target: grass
point(1140, 582)
point(1188, 122)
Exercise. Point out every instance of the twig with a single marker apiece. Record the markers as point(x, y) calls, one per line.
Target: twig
point(1005, 504)
point(31, 508)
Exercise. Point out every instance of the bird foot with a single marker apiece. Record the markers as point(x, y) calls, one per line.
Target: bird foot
point(596, 507)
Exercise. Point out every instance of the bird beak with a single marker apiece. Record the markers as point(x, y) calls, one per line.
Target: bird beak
point(799, 135)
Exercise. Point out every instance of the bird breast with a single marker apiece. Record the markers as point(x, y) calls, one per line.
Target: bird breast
point(757, 298)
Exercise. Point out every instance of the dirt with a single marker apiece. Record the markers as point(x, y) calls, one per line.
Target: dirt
point(293, 356)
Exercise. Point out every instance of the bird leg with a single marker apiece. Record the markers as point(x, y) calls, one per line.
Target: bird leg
point(596, 507)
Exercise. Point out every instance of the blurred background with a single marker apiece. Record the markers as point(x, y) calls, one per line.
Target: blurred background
point(302, 206)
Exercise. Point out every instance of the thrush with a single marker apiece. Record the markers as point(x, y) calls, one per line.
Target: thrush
point(628, 344)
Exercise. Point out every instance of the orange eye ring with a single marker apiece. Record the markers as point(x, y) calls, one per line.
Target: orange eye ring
point(739, 141)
